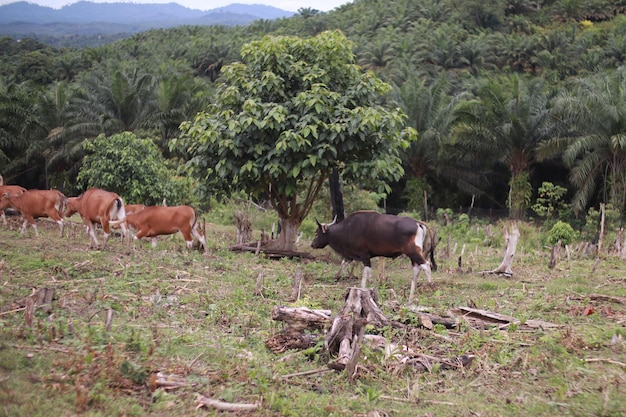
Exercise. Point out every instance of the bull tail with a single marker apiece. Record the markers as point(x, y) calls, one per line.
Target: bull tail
point(117, 212)
point(197, 231)
point(433, 245)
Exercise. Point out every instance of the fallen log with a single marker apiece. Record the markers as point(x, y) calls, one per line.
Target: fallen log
point(254, 247)
point(296, 320)
point(202, 401)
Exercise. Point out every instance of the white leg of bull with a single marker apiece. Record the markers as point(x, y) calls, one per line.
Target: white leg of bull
point(4, 217)
point(25, 226)
point(198, 236)
point(61, 224)
point(367, 274)
point(35, 228)
point(416, 272)
point(154, 242)
point(93, 240)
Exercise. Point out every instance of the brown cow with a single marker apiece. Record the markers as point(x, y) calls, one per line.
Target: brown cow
point(38, 203)
point(158, 220)
point(4, 203)
point(98, 206)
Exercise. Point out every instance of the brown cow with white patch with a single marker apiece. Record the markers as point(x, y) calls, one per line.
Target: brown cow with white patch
point(4, 203)
point(98, 206)
point(158, 220)
point(37, 203)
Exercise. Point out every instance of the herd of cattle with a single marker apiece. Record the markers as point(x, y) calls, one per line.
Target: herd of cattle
point(97, 206)
point(359, 237)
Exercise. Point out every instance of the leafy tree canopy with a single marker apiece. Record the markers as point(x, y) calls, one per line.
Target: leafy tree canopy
point(132, 167)
point(286, 115)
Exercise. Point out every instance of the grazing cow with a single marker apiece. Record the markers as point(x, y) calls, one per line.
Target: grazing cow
point(158, 220)
point(37, 203)
point(4, 203)
point(367, 234)
point(98, 206)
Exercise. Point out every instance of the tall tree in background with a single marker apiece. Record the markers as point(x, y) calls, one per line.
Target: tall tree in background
point(286, 116)
point(500, 129)
point(594, 147)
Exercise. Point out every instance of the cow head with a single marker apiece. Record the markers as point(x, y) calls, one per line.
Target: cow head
point(321, 234)
point(70, 206)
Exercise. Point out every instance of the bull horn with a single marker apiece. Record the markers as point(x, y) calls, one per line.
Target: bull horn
point(334, 221)
point(316, 221)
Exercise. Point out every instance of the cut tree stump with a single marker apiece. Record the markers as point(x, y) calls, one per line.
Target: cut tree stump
point(342, 340)
point(511, 238)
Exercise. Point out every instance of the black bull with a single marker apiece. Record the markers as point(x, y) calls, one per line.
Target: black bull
point(366, 234)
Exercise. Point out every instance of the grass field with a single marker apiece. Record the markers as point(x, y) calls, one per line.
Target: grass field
point(116, 321)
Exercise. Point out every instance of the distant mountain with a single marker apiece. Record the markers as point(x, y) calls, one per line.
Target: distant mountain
point(23, 18)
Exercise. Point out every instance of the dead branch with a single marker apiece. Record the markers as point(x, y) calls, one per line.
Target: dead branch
point(306, 373)
point(607, 360)
point(202, 401)
point(614, 299)
point(269, 252)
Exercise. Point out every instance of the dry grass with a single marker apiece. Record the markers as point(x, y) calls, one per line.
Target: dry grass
point(195, 318)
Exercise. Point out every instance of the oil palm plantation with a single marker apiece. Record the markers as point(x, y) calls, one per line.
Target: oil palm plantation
point(497, 132)
point(594, 147)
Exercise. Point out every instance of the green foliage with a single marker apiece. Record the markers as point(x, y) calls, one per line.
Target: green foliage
point(133, 168)
point(549, 204)
point(414, 194)
point(591, 228)
point(561, 231)
point(520, 194)
point(286, 115)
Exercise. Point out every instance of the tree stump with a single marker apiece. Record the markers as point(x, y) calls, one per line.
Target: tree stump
point(511, 239)
point(343, 339)
point(244, 227)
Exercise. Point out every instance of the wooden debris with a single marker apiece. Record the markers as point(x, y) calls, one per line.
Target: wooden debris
point(255, 247)
point(202, 401)
point(167, 382)
point(258, 290)
point(426, 319)
point(614, 299)
point(30, 312)
point(482, 319)
point(296, 320)
point(297, 284)
point(108, 321)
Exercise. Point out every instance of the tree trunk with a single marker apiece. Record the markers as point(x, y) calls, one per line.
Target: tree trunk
point(288, 234)
point(336, 196)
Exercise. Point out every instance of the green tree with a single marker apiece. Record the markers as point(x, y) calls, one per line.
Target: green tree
point(288, 114)
point(594, 145)
point(132, 167)
point(500, 130)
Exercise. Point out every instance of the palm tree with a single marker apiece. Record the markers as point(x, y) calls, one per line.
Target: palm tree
point(594, 146)
point(499, 130)
point(116, 102)
point(429, 108)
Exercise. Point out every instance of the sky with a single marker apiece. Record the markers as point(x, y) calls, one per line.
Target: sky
point(290, 5)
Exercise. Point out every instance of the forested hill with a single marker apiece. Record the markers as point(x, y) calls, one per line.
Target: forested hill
point(108, 19)
point(483, 82)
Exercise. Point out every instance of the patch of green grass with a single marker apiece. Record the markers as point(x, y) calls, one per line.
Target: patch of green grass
point(199, 318)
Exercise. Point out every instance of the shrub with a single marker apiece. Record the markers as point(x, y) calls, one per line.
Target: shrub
point(561, 231)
